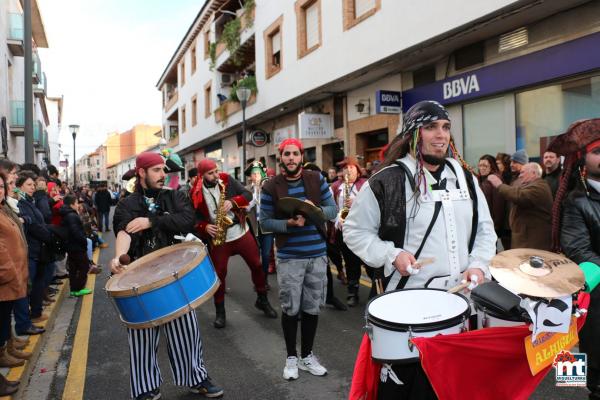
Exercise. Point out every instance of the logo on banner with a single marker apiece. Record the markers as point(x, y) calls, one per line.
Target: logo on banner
point(571, 369)
point(460, 87)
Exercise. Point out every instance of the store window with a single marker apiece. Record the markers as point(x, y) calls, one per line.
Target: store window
point(548, 111)
point(487, 128)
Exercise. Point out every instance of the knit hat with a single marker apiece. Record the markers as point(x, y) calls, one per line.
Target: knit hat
point(520, 156)
point(421, 114)
point(206, 165)
point(147, 160)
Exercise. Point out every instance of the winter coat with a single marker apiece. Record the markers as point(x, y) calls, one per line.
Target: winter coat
point(35, 227)
point(530, 214)
point(72, 221)
point(103, 201)
point(553, 179)
point(495, 201)
point(13, 259)
point(42, 202)
point(580, 228)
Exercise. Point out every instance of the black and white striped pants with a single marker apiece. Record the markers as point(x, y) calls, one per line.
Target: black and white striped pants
point(185, 355)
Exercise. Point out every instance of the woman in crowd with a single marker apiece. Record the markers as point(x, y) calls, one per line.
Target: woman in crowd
point(487, 166)
point(13, 286)
point(503, 164)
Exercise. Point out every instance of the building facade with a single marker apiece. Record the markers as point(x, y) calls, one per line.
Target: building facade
point(339, 74)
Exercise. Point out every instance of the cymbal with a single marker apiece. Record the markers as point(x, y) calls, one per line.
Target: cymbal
point(291, 207)
point(537, 273)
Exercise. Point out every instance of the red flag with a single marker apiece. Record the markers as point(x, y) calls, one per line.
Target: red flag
point(366, 374)
point(486, 364)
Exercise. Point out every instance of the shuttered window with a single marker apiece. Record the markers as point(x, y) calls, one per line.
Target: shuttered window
point(362, 7)
point(276, 42)
point(312, 25)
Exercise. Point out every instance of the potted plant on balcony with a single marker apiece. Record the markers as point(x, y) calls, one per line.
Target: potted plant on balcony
point(248, 82)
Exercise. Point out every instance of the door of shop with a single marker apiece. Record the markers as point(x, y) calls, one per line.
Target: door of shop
point(369, 144)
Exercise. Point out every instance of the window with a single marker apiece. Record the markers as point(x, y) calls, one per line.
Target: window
point(193, 52)
point(468, 56)
point(97, 162)
point(273, 48)
point(424, 76)
point(308, 17)
point(207, 99)
point(182, 119)
point(338, 112)
point(98, 175)
point(206, 37)
point(194, 111)
point(356, 11)
point(182, 73)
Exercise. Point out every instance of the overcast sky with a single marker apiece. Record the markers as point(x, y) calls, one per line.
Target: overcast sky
point(105, 57)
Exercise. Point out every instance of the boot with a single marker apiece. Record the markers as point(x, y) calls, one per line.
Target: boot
point(8, 387)
point(352, 298)
point(16, 353)
point(8, 361)
point(262, 303)
point(220, 321)
point(19, 343)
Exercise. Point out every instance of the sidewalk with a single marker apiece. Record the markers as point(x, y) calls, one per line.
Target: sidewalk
point(36, 342)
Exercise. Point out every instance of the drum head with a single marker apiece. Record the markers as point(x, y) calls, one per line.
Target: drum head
point(156, 266)
point(413, 307)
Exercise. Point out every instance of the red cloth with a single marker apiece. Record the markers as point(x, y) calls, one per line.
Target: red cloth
point(206, 165)
point(291, 142)
point(366, 374)
point(485, 364)
point(147, 160)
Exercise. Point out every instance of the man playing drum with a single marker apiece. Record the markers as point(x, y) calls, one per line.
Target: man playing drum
point(301, 254)
point(421, 203)
point(145, 221)
point(218, 193)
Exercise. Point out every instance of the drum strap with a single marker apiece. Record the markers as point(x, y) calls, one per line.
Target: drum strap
point(404, 279)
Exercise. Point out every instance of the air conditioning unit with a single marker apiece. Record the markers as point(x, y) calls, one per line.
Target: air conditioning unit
point(226, 80)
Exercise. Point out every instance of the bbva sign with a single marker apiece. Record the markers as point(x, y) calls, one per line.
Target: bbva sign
point(460, 87)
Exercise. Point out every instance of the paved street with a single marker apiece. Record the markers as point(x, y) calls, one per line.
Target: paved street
point(246, 358)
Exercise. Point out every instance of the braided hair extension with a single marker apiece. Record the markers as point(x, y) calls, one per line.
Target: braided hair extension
point(566, 183)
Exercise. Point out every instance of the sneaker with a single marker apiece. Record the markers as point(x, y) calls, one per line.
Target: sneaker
point(208, 389)
point(312, 365)
point(151, 395)
point(290, 371)
point(80, 293)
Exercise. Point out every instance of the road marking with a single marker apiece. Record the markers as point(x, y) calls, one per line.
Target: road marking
point(76, 377)
point(363, 278)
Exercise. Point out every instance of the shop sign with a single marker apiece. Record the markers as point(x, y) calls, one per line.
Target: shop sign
point(279, 135)
point(387, 102)
point(534, 68)
point(315, 126)
point(63, 163)
point(259, 138)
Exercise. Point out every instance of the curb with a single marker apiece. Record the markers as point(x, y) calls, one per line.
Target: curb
point(35, 345)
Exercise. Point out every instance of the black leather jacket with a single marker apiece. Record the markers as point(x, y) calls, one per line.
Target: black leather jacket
point(580, 229)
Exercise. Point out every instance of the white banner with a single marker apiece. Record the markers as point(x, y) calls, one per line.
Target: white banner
point(315, 126)
point(279, 135)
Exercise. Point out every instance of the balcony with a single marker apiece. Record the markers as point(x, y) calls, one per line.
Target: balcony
point(39, 89)
point(17, 117)
point(36, 72)
point(15, 34)
point(235, 39)
point(230, 107)
point(172, 97)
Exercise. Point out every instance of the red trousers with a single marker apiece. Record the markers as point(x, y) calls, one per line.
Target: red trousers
point(247, 248)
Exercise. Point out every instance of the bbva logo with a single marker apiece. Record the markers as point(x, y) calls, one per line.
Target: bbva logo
point(461, 86)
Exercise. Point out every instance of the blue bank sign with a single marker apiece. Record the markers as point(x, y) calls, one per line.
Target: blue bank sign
point(570, 58)
point(387, 102)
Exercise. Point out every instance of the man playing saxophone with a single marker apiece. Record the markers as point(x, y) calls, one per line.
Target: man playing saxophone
point(344, 192)
point(220, 201)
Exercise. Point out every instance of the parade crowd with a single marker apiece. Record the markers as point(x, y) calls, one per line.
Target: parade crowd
point(379, 216)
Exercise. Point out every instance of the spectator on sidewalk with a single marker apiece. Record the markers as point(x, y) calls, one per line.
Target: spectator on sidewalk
point(103, 201)
point(552, 170)
point(487, 166)
point(78, 263)
point(530, 215)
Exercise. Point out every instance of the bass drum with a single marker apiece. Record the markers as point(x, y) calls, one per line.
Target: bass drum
point(394, 318)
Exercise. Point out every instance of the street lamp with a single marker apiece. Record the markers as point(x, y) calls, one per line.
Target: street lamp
point(243, 94)
point(74, 129)
point(162, 143)
point(66, 176)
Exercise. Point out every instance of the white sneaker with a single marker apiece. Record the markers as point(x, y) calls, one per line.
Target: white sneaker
point(311, 364)
point(290, 371)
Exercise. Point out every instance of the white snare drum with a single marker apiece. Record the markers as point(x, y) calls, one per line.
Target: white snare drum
point(393, 318)
point(489, 319)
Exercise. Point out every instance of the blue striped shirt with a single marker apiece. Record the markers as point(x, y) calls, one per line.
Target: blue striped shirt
point(303, 241)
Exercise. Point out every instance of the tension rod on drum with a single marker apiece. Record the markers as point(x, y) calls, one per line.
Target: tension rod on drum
point(142, 306)
point(176, 276)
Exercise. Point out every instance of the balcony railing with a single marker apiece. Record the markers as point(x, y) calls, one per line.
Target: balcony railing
point(15, 26)
point(39, 89)
point(36, 72)
point(172, 97)
point(17, 113)
point(37, 133)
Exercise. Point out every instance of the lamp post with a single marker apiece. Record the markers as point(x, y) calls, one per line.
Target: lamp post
point(74, 129)
point(66, 176)
point(243, 94)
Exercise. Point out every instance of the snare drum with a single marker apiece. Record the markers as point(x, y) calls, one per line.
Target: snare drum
point(394, 318)
point(163, 285)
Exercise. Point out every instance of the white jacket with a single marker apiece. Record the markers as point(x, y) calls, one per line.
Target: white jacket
point(362, 225)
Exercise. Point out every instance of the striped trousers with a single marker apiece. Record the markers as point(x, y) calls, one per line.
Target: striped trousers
point(185, 354)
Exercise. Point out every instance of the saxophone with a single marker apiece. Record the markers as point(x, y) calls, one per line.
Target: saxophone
point(222, 221)
point(346, 208)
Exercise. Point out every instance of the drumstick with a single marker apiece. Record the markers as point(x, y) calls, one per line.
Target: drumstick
point(424, 261)
point(124, 260)
point(459, 287)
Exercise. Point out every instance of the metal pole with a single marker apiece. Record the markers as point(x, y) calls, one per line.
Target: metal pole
point(28, 82)
point(74, 165)
point(243, 142)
